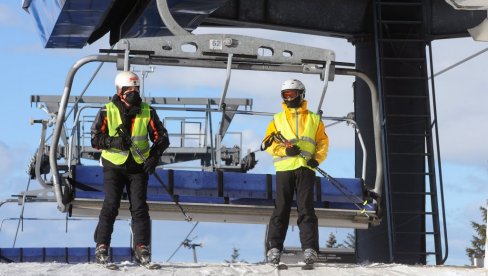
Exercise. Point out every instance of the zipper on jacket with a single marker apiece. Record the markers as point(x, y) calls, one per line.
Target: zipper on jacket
point(296, 120)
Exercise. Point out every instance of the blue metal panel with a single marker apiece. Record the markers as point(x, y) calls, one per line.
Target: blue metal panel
point(45, 14)
point(33, 255)
point(80, 254)
point(61, 254)
point(8, 255)
point(89, 195)
point(154, 187)
point(195, 183)
point(90, 176)
point(353, 186)
point(67, 23)
point(120, 254)
point(152, 197)
point(55, 254)
point(202, 187)
point(244, 185)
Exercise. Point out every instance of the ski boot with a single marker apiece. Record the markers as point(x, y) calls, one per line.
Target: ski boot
point(309, 256)
point(142, 254)
point(101, 253)
point(274, 255)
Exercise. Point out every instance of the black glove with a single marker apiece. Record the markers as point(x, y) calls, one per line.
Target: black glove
point(119, 143)
point(150, 165)
point(293, 151)
point(165, 142)
point(312, 163)
point(160, 145)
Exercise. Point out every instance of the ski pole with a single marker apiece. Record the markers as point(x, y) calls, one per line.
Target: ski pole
point(280, 138)
point(267, 141)
point(344, 190)
point(139, 153)
point(348, 193)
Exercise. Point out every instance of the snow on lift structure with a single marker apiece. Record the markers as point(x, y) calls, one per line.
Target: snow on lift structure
point(220, 194)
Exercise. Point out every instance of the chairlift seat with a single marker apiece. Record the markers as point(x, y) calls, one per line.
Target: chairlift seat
point(198, 184)
point(223, 197)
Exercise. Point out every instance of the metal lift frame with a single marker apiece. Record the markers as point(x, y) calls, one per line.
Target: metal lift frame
point(244, 52)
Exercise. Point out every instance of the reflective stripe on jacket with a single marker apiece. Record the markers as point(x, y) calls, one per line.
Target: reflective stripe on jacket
point(305, 139)
point(139, 134)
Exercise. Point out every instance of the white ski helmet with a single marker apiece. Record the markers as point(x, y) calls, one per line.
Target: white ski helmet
point(126, 78)
point(293, 85)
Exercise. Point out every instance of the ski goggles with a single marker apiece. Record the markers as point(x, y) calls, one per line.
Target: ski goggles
point(289, 95)
point(130, 89)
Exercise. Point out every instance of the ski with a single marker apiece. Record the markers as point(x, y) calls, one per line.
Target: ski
point(110, 266)
point(307, 267)
point(145, 261)
point(151, 266)
point(279, 266)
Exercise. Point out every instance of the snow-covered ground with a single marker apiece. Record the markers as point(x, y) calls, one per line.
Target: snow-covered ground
point(208, 269)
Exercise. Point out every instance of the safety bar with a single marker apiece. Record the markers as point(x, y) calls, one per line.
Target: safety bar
point(168, 19)
point(60, 121)
point(40, 152)
point(227, 80)
point(376, 124)
point(324, 87)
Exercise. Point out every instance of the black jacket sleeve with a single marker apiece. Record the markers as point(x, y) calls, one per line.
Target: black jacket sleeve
point(99, 133)
point(158, 134)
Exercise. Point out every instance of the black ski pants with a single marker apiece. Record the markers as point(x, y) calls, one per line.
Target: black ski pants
point(115, 179)
point(302, 182)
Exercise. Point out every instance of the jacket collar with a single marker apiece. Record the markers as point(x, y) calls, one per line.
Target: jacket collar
point(301, 109)
point(134, 110)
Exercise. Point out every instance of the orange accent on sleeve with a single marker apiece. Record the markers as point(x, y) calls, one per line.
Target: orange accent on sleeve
point(155, 131)
point(104, 125)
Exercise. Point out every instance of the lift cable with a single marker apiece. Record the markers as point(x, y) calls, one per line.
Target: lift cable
point(181, 243)
point(459, 62)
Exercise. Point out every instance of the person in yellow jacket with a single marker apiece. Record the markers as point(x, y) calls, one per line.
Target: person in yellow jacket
point(295, 171)
point(122, 166)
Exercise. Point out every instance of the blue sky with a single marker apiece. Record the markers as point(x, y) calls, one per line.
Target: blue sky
point(28, 68)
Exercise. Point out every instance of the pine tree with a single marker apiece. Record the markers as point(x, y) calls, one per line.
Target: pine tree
point(478, 242)
point(331, 241)
point(350, 241)
point(234, 257)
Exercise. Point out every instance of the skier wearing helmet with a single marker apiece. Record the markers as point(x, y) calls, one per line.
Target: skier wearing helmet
point(295, 171)
point(122, 167)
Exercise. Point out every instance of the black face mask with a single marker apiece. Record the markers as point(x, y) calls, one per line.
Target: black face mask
point(133, 98)
point(295, 103)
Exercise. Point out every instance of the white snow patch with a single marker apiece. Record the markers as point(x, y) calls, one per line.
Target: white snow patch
point(204, 269)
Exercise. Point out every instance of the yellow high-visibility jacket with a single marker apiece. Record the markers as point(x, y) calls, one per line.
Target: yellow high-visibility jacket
point(307, 123)
point(139, 134)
